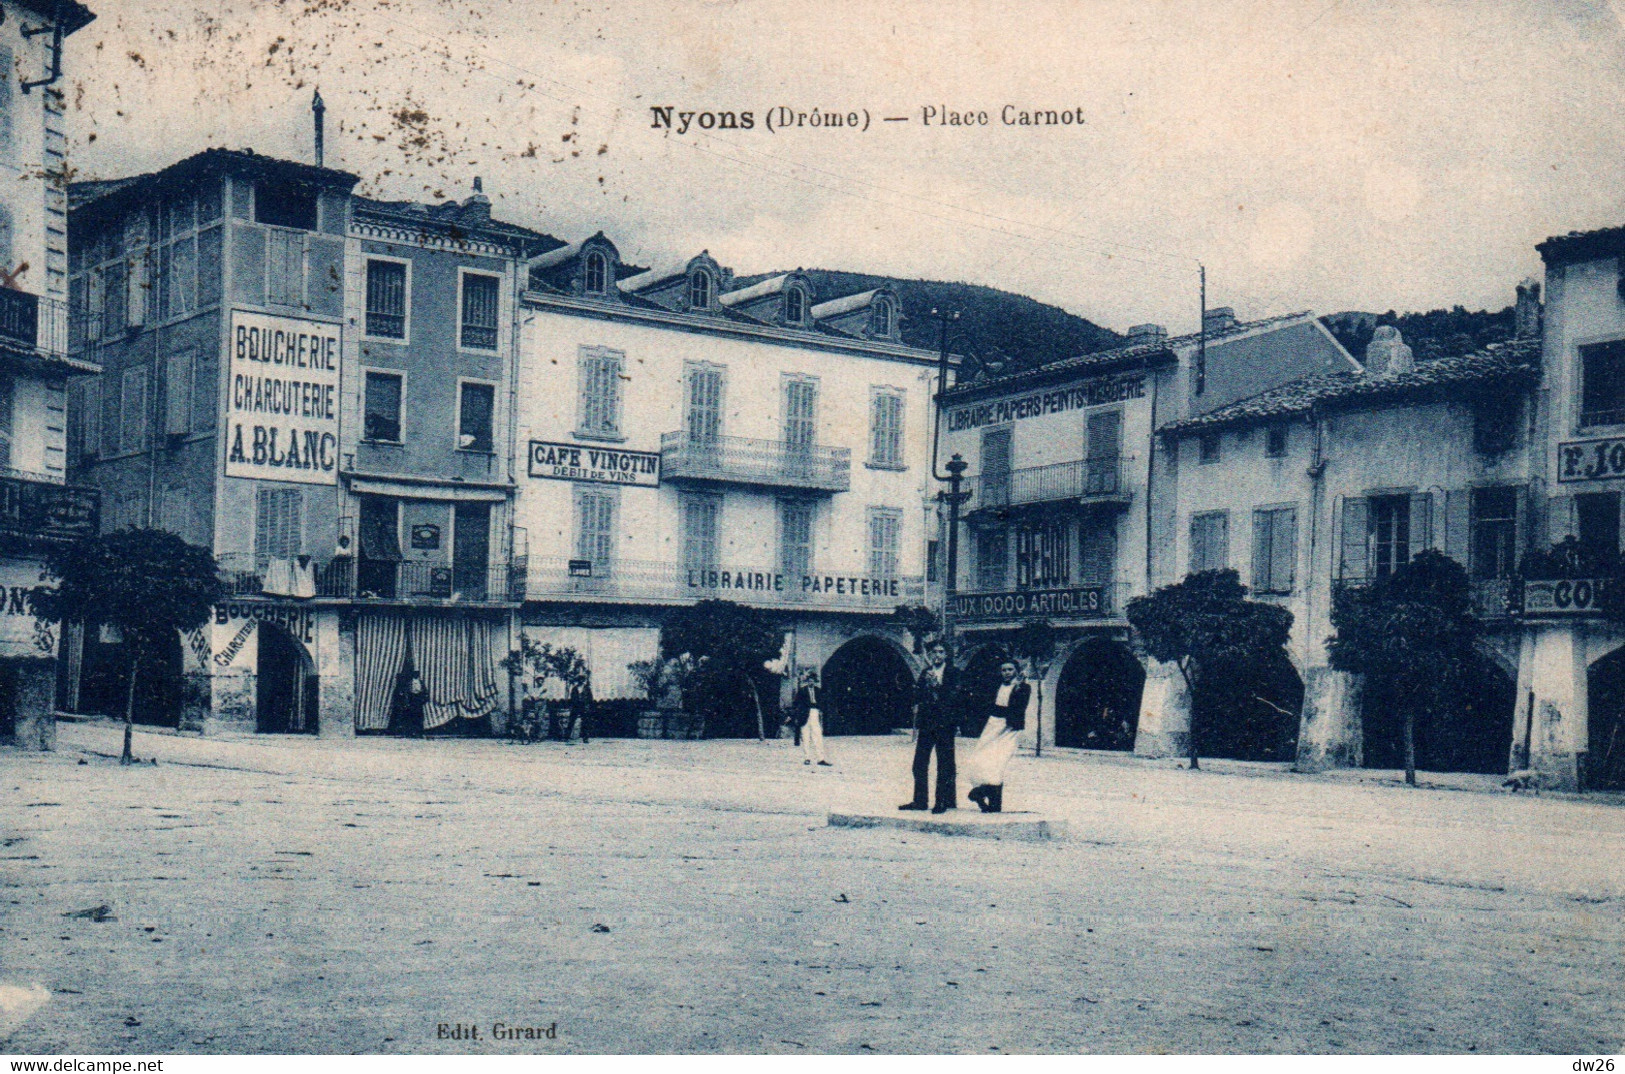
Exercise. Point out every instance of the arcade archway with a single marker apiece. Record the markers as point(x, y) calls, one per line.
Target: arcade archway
point(1250, 714)
point(286, 691)
point(1473, 735)
point(978, 682)
point(1097, 697)
point(105, 681)
point(1605, 756)
point(868, 689)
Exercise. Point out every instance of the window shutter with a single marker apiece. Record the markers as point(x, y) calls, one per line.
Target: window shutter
point(178, 394)
point(1458, 526)
point(135, 303)
point(1221, 541)
point(135, 410)
point(1263, 525)
point(612, 393)
point(1284, 550)
point(1354, 555)
point(1421, 521)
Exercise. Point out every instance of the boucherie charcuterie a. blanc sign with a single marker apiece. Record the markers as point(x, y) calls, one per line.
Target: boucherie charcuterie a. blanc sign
point(282, 408)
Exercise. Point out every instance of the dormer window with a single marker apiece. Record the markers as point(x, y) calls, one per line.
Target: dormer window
point(795, 306)
point(699, 291)
point(597, 273)
point(880, 318)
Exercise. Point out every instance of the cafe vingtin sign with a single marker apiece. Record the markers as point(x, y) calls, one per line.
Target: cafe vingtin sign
point(607, 466)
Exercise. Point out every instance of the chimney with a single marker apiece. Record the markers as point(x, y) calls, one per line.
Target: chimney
point(477, 206)
point(1526, 319)
point(1218, 319)
point(1387, 355)
point(1146, 333)
point(319, 110)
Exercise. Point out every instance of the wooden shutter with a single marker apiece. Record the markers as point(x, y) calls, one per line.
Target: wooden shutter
point(1458, 526)
point(795, 540)
point(1284, 549)
point(279, 523)
point(800, 407)
point(1263, 531)
point(1421, 535)
point(883, 527)
point(1354, 547)
point(595, 529)
point(134, 435)
point(178, 393)
point(704, 403)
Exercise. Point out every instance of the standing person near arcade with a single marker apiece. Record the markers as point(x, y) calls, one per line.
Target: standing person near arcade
point(808, 720)
point(986, 765)
point(937, 723)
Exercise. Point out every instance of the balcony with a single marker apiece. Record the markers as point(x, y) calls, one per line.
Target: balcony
point(35, 508)
point(367, 581)
point(1086, 481)
point(737, 460)
point(1055, 603)
point(32, 322)
point(664, 582)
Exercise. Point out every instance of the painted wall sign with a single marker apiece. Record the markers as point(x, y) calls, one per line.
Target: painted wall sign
point(1083, 602)
point(607, 466)
point(1591, 460)
point(22, 634)
point(1076, 397)
point(282, 406)
point(1563, 597)
point(774, 582)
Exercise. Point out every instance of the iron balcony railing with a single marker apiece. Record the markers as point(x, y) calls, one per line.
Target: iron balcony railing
point(386, 581)
point(1097, 478)
point(665, 582)
point(739, 460)
point(27, 320)
point(33, 507)
point(1489, 598)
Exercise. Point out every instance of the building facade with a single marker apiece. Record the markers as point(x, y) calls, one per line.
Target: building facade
point(1071, 499)
point(37, 507)
point(685, 438)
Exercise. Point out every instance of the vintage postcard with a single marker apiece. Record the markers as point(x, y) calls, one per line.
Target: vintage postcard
point(749, 527)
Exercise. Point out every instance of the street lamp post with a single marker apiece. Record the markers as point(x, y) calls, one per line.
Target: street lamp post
point(955, 496)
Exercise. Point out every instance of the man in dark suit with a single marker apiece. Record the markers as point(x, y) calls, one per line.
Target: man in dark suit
point(936, 721)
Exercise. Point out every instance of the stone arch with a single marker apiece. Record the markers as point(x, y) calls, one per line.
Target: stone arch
point(868, 684)
point(1097, 695)
point(978, 680)
point(1251, 718)
point(1605, 711)
point(286, 687)
point(105, 680)
point(1475, 735)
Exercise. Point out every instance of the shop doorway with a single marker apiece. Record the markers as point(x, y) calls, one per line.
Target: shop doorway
point(1473, 735)
point(105, 681)
point(1097, 697)
point(286, 693)
point(1250, 714)
point(1605, 745)
point(868, 689)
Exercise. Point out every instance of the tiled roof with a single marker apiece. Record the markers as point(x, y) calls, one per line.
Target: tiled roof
point(1513, 362)
point(452, 214)
point(1083, 363)
point(1583, 246)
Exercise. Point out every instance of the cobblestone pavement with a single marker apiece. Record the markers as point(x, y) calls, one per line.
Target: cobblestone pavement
point(281, 894)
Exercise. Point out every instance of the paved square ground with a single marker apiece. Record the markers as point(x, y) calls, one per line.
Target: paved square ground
point(280, 894)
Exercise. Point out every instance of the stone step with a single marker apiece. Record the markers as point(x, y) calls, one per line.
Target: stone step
point(1020, 827)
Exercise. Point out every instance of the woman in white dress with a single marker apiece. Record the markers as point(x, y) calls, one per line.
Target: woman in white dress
point(990, 757)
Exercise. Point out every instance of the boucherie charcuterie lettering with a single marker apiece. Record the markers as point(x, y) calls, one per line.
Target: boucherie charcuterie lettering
point(283, 409)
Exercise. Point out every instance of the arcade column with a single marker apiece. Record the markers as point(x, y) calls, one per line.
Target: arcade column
point(1550, 728)
point(1330, 732)
point(1165, 713)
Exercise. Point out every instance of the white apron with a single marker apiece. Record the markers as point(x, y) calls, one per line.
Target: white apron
point(988, 759)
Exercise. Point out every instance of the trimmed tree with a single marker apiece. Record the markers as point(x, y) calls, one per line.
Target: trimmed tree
point(147, 584)
point(1035, 641)
point(1414, 628)
point(920, 622)
point(727, 642)
point(1206, 626)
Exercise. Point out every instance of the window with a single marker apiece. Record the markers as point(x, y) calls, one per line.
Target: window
point(795, 542)
point(880, 322)
point(383, 408)
point(597, 273)
point(111, 418)
point(992, 559)
point(1043, 559)
point(800, 414)
point(285, 205)
point(1210, 541)
point(178, 392)
point(996, 467)
point(475, 406)
point(284, 268)
point(1390, 534)
point(885, 526)
point(1105, 445)
point(178, 270)
point(933, 553)
point(598, 374)
point(480, 311)
point(1275, 549)
point(377, 571)
point(596, 511)
point(1597, 515)
point(1275, 441)
point(386, 299)
point(205, 389)
point(886, 428)
point(1495, 423)
point(279, 524)
point(1602, 395)
point(702, 515)
point(115, 294)
point(1097, 553)
point(704, 403)
point(699, 290)
point(795, 305)
point(134, 435)
point(1208, 448)
point(1495, 532)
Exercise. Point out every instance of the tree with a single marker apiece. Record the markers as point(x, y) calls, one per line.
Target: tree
point(1414, 628)
point(1035, 640)
point(148, 584)
point(920, 622)
point(1206, 626)
point(544, 662)
point(727, 642)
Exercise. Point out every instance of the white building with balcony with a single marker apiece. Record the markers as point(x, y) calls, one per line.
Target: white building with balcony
point(35, 506)
point(686, 439)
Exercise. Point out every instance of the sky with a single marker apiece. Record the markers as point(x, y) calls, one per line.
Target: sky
point(1311, 154)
